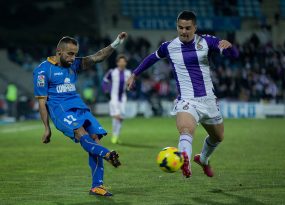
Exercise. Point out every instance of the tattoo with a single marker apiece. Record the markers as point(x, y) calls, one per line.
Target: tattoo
point(100, 56)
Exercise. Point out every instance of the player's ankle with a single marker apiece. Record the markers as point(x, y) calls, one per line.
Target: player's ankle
point(204, 160)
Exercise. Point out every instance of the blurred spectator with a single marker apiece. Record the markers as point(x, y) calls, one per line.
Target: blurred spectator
point(257, 75)
point(115, 20)
point(2, 107)
point(89, 96)
point(11, 99)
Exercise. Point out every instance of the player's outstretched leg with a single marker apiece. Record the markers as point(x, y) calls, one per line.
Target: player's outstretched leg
point(97, 171)
point(185, 147)
point(203, 158)
point(91, 146)
point(113, 158)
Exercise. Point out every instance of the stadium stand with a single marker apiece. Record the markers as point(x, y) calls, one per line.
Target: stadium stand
point(134, 8)
point(282, 8)
point(249, 8)
point(258, 74)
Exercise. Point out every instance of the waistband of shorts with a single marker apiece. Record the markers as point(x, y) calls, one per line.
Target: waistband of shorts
point(198, 99)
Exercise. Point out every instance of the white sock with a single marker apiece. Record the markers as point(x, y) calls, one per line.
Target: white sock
point(208, 148)
point(118, 127)
point(185, 144)
point(114, 127)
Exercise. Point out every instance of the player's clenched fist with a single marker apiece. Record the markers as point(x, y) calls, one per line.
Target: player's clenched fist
point(46, 137)
point(224, 44)
point(119, 40)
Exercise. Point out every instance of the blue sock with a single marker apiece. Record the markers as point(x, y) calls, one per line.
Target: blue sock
point(97, 170)
point(89, 145)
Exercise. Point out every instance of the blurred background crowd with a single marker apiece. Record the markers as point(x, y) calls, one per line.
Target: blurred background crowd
point(258, 75)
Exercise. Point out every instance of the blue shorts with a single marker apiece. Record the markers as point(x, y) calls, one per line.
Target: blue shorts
point(70, 120)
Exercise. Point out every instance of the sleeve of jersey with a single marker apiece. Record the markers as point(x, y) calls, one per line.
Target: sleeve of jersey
point(213, 43)
point(40, 82)
point(147, 62)
point(108, 76)
point(231, 52)
point(106, 82)
point(152, 58)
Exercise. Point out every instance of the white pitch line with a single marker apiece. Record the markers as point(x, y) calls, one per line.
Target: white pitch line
point(20, 129)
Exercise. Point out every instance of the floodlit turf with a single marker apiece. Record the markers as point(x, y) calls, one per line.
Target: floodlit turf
point(249, 166)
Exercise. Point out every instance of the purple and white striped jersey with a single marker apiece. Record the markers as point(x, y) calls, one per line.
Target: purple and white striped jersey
point(190, 64)
point(118, 81)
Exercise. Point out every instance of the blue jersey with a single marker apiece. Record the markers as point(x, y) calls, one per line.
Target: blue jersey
point(58, 85)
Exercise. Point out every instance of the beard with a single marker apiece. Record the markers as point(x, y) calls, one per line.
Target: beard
point(64, 63)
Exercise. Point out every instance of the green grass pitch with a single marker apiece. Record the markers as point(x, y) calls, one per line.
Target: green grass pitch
point(249, 166)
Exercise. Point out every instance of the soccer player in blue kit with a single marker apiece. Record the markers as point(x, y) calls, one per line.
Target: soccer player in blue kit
point(189, 55)
point(54, 87)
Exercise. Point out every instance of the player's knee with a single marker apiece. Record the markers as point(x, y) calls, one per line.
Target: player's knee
point(118, 117)
point(221, 136)
point(95, 138)
point(78, 133)
point(186, 131)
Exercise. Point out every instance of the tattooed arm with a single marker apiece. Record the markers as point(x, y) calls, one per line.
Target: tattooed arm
point(103, 53)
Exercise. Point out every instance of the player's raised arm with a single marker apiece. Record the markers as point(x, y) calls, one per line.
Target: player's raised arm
point(151, 59)
point(147, 62)
point(45, 119)
point(222, 46)
point(228, 49)
point(105, 52)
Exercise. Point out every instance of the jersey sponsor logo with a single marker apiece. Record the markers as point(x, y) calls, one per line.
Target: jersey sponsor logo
point(59, 73)
point(63, 88)
point(41, 81)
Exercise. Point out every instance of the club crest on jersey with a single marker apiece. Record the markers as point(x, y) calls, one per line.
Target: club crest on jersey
point(67, 80)
point(41, 81)
point(186, 107)
point(199, 47)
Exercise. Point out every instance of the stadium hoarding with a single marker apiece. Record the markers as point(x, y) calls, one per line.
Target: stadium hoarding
point(204, 23)
point(228, 109)
point(251, 110)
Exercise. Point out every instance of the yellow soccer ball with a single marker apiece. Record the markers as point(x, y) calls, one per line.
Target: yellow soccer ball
point(169, 159)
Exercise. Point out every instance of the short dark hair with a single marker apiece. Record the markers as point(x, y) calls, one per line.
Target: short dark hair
point(67, 39)
point(187, 15)
point(120, 56)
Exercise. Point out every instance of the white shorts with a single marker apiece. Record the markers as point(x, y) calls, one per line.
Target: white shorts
point(117, 108)
point(204, 110)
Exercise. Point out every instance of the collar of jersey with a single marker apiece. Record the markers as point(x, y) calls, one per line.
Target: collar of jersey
point(52, 60)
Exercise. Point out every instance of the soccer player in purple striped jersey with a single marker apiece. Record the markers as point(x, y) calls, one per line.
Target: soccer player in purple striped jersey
point(115, 82)
point(196, 103)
